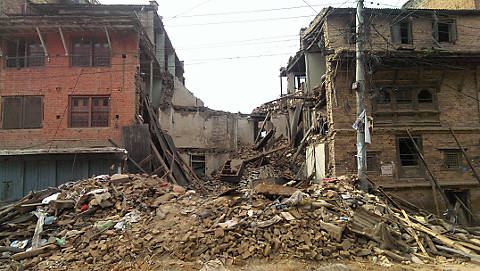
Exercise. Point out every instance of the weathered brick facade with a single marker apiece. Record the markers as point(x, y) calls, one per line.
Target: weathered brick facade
point(427, 86)
point(57, 80)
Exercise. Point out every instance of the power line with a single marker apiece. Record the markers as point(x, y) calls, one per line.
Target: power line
point(316, 12)
point(192, 8)
point(252, 11)
point(242, 21)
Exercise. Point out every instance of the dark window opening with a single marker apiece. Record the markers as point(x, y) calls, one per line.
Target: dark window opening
point(407, 152)
point(452, 159)
point(89, 111)
point(403, 96)
point(198, 164)
point(22, 112)
point(90, 53)
point(443, 32)
point(425, 97)
point(21, 53)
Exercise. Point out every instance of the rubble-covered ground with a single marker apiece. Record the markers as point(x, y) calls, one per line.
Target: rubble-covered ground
point(269, 221)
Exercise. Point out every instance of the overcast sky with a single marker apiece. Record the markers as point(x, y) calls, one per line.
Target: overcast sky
point(233, 50)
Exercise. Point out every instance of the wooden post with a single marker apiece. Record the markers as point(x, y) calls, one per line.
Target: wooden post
point(466, 156)
point(447, 203)
point(267, 117)
point(435, 200)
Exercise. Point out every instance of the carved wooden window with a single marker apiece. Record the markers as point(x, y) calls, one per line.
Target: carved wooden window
point(22, 112)
point(89, 111)
point(425, 97)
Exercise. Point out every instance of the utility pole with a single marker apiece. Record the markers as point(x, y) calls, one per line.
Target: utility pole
point(360, 91)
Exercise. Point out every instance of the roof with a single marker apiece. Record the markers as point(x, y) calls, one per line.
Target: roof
point(78, 150)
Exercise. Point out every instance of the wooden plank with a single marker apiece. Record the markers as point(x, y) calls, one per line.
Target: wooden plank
point(264, 140)
point(267, 117)
point(440, 237)
point(133, 138)
point(33, 252)
point(414, 234)
point(296, 119)
point(146, 160)
point(162, 162)
point(445, 199)
point(466, 156)
point(129, 157)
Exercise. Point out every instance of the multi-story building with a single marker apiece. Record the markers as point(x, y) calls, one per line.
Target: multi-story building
point(422, 74)
point(71, 77)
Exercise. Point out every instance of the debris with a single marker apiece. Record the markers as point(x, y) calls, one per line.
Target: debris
point(274, 189)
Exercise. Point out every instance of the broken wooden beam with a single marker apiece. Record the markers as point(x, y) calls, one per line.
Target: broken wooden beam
point(128, 156)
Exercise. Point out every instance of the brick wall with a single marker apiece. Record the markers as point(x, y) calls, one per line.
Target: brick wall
point(468, 32)
point(57, 80)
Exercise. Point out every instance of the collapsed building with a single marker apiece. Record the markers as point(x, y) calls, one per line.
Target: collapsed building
point(75, 81)
point(423, 93)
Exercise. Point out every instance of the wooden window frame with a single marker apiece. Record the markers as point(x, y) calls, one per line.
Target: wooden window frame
point(92, 56)
point(90, 109)
point(24, 54)
point(452, 30)
point(396, 29)
point(198, 159)
point(23, 123)
point(459, 158)
point(372, 167)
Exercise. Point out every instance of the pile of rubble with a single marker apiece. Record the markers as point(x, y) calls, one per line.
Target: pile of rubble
point(119, 221)
point(130, 222)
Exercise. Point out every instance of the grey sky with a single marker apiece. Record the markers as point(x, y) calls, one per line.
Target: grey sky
point(233, 50)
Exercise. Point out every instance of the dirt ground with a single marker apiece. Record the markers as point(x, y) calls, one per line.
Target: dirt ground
point(289, 265)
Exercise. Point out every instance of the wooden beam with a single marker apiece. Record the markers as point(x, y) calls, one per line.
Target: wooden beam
point(63, 40)
point(267, 117)
point(432, 177)
point(414, 234)
point(41, 40)
point(466, 156)
point(129, 157)
point(160, 159)
point(108, 38)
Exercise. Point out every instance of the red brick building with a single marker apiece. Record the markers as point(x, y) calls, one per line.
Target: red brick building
point(71, 76)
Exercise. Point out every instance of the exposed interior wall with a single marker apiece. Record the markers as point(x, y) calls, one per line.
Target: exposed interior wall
point(315, 67)
point(184, 97)
point(245, 131)
point(279, 121)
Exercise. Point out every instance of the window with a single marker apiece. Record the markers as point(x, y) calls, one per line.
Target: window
point(87, 53)
point(22, 112)
point(198, 164)
point(89, 111)
point(402, 32)
point(452, 159)
point(372, 165)
point(425, 97)
point(407, 152)
point(445, 31)
point(403, 96)
point(21, 53)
